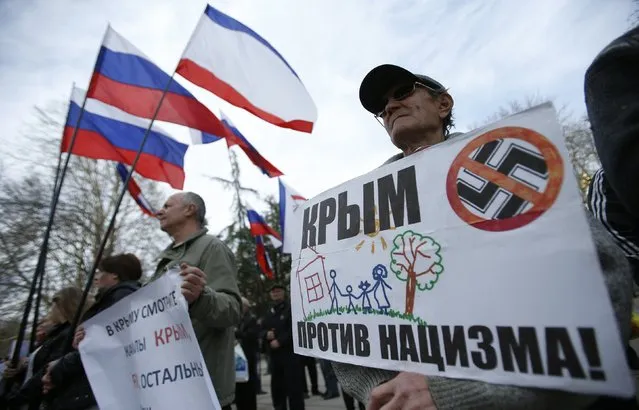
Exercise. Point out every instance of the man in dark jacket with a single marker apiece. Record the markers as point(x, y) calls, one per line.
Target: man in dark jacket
point(285, 365)
point(612, 100)
point(66, 382)
point(247, 334)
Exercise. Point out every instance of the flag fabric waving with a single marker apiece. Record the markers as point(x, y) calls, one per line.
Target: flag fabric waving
point(111, 134)
point(127, 79)
point(259, 227)
point(135, 191)
point(234, 137)
point(263, 261)
point(199, 137)
point(290, 200)
point(235, 63)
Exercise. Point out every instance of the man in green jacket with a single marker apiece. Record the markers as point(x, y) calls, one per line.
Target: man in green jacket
point(209, 285)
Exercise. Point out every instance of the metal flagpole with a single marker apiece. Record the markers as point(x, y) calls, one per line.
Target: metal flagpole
point(278, 263)
point(40, 267)
point(98, 257)
point(36, 311)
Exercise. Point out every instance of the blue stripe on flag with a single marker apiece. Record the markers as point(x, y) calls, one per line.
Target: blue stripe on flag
point(238, 134)
point(254, 217)
point(207, 138)
point(122, 171)
point(136, 71)
point(129, 137)
point(230, 23)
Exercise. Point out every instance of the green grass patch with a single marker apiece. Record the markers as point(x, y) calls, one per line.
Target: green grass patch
point(391, 313)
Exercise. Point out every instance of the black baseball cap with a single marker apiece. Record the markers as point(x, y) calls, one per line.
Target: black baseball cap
point(277, 285)
point(382, 78)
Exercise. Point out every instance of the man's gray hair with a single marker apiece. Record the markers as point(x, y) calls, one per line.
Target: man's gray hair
point(191, 198)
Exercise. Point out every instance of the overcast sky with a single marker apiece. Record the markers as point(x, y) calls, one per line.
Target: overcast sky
point(486, 52)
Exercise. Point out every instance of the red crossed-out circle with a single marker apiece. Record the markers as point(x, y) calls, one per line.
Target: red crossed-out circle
point(541, 201)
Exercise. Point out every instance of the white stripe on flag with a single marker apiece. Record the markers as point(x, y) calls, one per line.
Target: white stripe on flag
point(250, 68)
point(115, 42)
point(108, 111)
point(274, 241)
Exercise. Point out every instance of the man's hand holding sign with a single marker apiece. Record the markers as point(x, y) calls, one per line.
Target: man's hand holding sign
point(193, 282)
point(78, 336)
point(407, 391)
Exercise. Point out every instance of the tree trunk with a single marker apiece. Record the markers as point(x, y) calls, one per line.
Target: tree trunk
point(411, 284)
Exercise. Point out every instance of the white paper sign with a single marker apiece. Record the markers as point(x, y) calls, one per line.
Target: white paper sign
point(142, 353)
point(471, 259)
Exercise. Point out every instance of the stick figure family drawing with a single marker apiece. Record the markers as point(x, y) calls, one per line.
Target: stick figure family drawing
point(378, 291)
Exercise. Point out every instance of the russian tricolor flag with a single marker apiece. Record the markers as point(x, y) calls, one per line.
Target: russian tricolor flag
point(109, 133)
point(290, 201)
point(259, 227)
point(135, 191)
point(126, 78)
point(236, 64)
point(234, 137)
point(263, 261)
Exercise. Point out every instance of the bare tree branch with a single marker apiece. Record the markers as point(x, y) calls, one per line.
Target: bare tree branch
point(86, 204)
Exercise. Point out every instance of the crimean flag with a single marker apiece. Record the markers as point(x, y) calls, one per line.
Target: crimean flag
point(235, 63)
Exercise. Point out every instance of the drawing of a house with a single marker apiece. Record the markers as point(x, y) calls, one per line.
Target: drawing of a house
point(312, 282)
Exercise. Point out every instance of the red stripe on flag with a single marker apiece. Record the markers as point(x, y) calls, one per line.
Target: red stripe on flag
point(262, 260)
point(258, 229)
point(205, 79)
point(142, 102)
point(93, 145)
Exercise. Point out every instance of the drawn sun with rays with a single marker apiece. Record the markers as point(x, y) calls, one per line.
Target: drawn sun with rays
point(373, 235)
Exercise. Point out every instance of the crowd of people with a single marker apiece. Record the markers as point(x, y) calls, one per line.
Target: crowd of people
point(52, 376)
point(270, 337)
point(417, 112)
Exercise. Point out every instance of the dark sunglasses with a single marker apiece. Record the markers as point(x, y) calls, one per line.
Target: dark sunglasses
point(400, 93)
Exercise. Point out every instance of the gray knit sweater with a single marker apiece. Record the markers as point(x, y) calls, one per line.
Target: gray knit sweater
point(465, 394)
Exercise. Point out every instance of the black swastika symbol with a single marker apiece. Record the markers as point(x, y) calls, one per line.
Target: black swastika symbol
point(504, 179)
point(515, 158)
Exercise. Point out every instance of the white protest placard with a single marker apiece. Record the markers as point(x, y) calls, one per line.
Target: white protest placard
point(142, 353)
point(471, 259)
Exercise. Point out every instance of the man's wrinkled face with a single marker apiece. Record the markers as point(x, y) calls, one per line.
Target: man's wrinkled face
point(411, 113)
point(173, 213)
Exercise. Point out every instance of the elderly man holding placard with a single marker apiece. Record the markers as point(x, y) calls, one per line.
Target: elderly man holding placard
point(416, 112)
point(209, 285)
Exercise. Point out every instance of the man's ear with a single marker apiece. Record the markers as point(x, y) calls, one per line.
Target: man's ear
point(446, 103)
point(191, 209)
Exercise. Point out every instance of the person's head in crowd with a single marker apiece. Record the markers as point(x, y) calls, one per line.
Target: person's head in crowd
point(115, 269)
point(64, 305)
point(182, 215)
point(41, 331)
point(277, 293)
point(246, 305)
point(415, 110)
